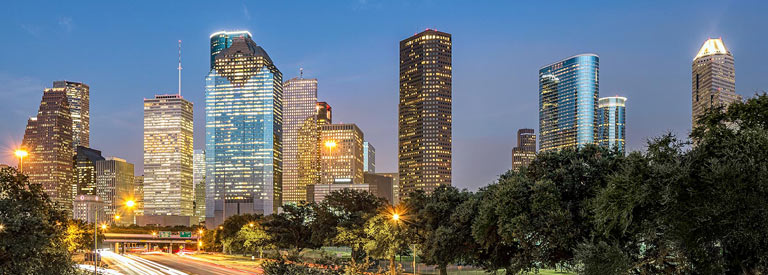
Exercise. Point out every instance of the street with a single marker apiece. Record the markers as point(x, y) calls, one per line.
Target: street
point(163, 264)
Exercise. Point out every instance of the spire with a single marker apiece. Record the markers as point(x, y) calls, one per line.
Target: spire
point(179, 67)
point(712, 46)
point(301, 73)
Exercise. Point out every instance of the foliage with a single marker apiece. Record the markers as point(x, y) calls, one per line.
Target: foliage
point(340, 219)
point(281, 267)
point(32, 236)
point(386, 238)
point(254, 238)
point(229, 229)
point(291, 228)
point(79, 236)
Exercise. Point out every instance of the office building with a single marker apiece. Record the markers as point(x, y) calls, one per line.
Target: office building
point(318, 192)
point(114, 186)
point(48, 139)
point(198, 181)
point(89, 208)
point(611, 123)
point(568, 93)
point(396, 190)
point(243, 127)
point(713, 78)
point(324, 113)
point(222, 40)
point(424, 132)
point(85, 171)
point(138, 195)
point(525, 151)
point(78, 98)
point(342, 154)
point(369, 158)
point(380, 185)
point(300, 137)
point(168, 156)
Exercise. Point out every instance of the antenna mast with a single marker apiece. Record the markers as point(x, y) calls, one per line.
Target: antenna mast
point(301, 73)
point(179, 67)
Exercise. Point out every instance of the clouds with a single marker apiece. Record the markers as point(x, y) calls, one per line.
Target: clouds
point(65, 22)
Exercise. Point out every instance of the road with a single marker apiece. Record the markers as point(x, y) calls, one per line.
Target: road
point(164, 264)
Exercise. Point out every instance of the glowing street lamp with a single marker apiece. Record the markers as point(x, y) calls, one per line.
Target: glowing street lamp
point(396, 217)
point(21, 154)
point(103, 226)
point(117, 217)
point(130, 203)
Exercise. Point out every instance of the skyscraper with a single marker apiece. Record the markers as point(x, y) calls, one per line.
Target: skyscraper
point(324, 113)
point(78, 97)
point(369, 158)
point(138, 194)
point(243, 133)
point(713, 78)
point(525, 151)
point(568, 92)
point(48, 139)
point(85, 171)
point(223, 40)
point(396, 190)
point(342, 154)
point(611, 122)
point(198, 183)
point(300, 137)
point(114, 186)
point(168, 156)
point(424, 132)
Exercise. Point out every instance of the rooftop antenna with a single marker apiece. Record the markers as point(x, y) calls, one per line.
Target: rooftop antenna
point(179, 67)
point(301, 73)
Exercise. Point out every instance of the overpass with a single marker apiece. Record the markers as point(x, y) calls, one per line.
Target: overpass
point(150, 242)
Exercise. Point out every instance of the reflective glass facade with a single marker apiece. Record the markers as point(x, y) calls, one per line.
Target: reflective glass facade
point(369, 157)
point(568, 93)
point(243, 133)
point(85, 172)
point(222, 40)
point(611, 123)
point(198, 183)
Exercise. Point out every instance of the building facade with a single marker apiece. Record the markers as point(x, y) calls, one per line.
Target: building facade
point(48, 139)
point(425, 115)
point(243, 133)
point(85, 170)
point(114, 186)
point(89, 208)
point(318, 192)
point(369, 157)
point(525, 151)
point(713, 79)
point(168, 156)
point(78, 98)
point(222, 40)
point(396, 190)
point(342, 154)
point(138, 194)
point(568, 93)
point(198, 183)
point(611, 123)
point(300, 137)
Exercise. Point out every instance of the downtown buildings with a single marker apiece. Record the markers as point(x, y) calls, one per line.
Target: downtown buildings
point(243, 129)
point(342, 154)
point(612, 120)
point(525, 151)
point(198, 184)
point(301, 138)
point(713, 79)
point(114, 187)
point(168, 140)
point(425, 115)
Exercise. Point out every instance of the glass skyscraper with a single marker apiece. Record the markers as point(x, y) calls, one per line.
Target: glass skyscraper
point(243, 132)
point(611, 122)
point(198, 183)
point(300, 138)
point(78, 97)
point(568, 93)
point(114, 186)
point(369, 157)
point(222, 40)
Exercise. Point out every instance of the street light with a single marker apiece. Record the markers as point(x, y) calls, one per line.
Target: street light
point(130, 203)
point(21, 154)
point(117, 217)
point(250, 224)
point(103, 226)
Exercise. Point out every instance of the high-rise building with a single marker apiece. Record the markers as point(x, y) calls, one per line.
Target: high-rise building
point(525, 151)
point(138, 194)
point(48, 139)
point(568, 93)
point(342, 154)
point(78, 97)
point(114, 186)
point(424, 132)
point(380, 186)
point(369, 158)
point(89, 208)
point(85, 171)
point(713, 78)
point(396, 190)
point(612, 120)
point(324, 113)
point(223, 40)
point(300, 138)
point(198, 181)
point(243, 127)
point(168, 156)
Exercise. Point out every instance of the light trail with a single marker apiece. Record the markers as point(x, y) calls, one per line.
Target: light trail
point(140, 266)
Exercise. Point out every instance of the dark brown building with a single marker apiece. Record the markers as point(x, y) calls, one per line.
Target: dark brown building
point(424, 132)
point(48, 139)
point(525, 151)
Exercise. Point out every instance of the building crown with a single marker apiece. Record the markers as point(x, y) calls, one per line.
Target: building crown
point(711, 47)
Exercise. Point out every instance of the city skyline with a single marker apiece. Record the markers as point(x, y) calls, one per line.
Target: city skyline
point(472, 142)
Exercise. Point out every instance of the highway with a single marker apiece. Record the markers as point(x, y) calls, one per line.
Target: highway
point(164, 264)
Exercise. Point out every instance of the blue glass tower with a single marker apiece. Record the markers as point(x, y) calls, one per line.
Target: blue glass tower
point(243, 133)
point(222, 40)
point(568, 93)
point(611, 122)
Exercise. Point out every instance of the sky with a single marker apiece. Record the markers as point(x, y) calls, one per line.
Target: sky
point(127, 51)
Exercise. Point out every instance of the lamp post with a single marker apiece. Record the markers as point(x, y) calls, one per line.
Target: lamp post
point(21, 154)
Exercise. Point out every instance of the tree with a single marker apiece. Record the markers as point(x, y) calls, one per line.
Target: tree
point(32, 232)
point(254, 237)
point(291, 228)
point(439, 240)
point(386, 238)
point(79, 236)
point(230, 228)
point(340, 219)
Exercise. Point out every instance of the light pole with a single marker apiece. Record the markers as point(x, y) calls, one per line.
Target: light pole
point(21, 154)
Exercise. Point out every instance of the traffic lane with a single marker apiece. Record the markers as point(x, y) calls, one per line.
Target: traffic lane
point(190, 266)
point(132, 265)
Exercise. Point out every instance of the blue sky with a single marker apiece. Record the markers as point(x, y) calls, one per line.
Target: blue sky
point(126, 51)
